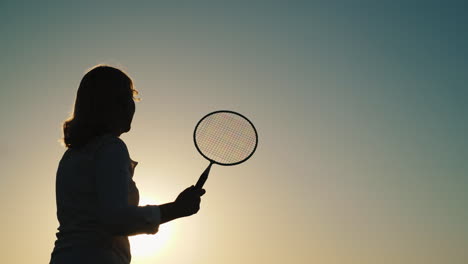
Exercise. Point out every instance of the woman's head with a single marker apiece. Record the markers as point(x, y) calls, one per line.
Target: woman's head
point(104, 104)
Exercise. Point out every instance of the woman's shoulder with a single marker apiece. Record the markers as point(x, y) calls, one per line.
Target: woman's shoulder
point(107, 148)
point(106, 141)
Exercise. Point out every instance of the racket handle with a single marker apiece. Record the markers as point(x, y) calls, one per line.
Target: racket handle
point(201, 181)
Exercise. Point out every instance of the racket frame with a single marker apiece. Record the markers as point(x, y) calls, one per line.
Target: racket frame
point(219, 163)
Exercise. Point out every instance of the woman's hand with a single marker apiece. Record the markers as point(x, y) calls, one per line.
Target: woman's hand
point(188, 201)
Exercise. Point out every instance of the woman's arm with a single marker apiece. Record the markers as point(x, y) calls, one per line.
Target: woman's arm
point(112, 163)
point(169, 212)
point(114, 212)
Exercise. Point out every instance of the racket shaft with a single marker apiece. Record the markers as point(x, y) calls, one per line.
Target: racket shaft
point(201, 181)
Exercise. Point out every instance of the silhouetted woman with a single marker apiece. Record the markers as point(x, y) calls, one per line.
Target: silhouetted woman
point(97, 200)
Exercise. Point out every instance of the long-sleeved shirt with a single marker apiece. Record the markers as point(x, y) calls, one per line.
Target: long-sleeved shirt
point(97, 199)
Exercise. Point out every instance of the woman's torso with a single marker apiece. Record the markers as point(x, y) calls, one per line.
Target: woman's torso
point(76, 200)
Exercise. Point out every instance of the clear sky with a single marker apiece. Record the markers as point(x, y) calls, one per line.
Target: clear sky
point(361, 109)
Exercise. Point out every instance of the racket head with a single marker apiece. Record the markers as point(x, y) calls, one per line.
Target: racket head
point(225, 122)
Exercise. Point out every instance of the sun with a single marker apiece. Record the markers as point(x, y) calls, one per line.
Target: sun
point(143, 246)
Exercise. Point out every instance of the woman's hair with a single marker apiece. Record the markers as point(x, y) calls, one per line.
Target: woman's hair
point(104, 97)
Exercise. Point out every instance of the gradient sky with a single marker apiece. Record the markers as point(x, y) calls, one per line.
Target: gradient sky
point(361, 109)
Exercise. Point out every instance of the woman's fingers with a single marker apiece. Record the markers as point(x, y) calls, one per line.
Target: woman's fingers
point(201, 192)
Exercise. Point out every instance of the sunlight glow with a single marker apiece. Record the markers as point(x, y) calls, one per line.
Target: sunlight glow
point(146, 246)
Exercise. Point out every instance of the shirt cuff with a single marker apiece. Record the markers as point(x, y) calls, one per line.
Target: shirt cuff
point(153, 219)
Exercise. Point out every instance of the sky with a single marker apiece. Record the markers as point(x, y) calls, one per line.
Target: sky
point(360, 107)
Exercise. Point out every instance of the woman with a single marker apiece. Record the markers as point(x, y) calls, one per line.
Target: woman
point(97, 200)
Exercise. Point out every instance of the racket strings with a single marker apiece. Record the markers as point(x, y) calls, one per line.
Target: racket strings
point(225, 137)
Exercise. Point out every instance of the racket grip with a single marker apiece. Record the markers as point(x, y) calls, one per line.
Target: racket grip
point(201, 181)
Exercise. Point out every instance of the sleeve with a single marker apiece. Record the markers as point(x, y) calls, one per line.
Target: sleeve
point(112, 182)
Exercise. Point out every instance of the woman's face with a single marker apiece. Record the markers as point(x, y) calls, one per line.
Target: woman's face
point(130, 113)
point(125, 120)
